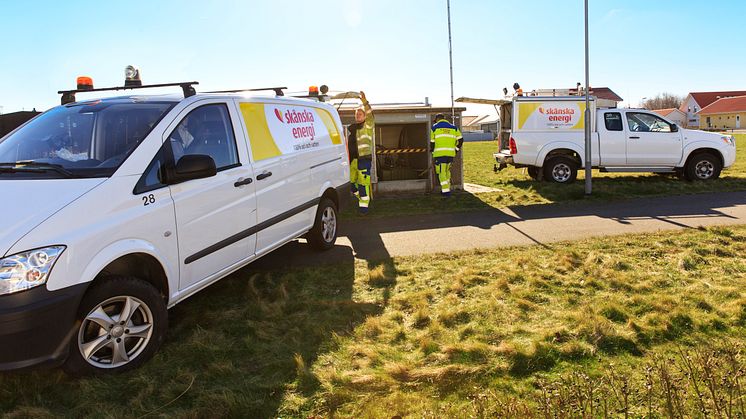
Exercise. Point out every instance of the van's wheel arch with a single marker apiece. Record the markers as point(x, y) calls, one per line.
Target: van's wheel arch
point(120, 324)
point(323, 234)
point(703, 166)
point(561, 169)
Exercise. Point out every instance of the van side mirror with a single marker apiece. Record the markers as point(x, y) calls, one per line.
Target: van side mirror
point(193, 166)
point(674, 128)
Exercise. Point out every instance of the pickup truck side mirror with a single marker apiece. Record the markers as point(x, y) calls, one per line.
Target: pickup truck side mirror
point(674, 128)
point(192, 166)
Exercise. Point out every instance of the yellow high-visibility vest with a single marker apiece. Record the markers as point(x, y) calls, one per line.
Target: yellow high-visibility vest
point(445, 137)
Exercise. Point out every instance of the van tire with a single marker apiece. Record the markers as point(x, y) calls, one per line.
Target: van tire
point(323, 234)
point(111, 296)
point(702, 166)
point(561, 169)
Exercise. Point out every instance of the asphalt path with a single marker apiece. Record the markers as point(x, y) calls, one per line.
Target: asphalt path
point(375, 239)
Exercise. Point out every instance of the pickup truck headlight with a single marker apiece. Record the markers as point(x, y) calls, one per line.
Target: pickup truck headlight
point(27, 270)
point(727, 139)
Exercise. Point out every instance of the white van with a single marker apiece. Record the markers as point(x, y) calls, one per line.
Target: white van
point(117, 209)
point(548, 138)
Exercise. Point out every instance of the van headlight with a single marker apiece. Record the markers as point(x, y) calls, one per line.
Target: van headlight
point(27, 270)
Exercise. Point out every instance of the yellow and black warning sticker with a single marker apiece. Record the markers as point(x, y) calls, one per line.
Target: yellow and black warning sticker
point(401, 150)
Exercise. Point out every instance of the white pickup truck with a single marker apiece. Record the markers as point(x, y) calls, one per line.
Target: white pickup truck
point(548, 138)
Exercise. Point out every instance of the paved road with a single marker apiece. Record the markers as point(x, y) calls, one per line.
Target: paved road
point(536, 224)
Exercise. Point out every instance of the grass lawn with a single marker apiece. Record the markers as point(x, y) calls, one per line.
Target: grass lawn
point(517, 188)
point(646, 325)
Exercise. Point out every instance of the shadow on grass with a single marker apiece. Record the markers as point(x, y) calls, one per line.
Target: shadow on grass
point(244, 344)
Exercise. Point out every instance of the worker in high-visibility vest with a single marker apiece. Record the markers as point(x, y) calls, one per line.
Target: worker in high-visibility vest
point(445, 141)
point(360, 144)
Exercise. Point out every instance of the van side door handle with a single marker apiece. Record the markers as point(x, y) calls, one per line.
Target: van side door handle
point(241, 182)
point(634, 138)
point(263, 175)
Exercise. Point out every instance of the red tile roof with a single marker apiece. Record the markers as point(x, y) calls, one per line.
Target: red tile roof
point(726, 105)
point(602, 93)
point(705, 99)
point(664, 112)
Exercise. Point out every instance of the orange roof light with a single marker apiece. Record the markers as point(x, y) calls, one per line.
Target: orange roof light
point(85, 83)
point(313, 90)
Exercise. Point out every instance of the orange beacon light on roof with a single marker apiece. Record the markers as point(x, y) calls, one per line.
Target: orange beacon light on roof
point(85, 83)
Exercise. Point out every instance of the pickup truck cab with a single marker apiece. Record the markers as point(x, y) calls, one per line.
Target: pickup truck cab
point(548, 138)
point(117, 209)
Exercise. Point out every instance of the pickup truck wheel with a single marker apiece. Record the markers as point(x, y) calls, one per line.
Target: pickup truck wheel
point(561, 169)
point(534, 172)
point(324, 232)
point(122, 322)
point(703, 166)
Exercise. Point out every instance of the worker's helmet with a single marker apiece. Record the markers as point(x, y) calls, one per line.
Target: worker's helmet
point(516, 86)
point(439, 116)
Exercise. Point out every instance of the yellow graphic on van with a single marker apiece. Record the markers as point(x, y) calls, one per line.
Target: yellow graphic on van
point(524, 111)
point(326, 117)
point(551, 115)
point(262, 144)
point(581, 122)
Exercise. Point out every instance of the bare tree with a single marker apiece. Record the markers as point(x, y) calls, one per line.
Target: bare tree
point(663, 101)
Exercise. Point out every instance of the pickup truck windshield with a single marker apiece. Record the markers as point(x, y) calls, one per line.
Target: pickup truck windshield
point(90, 139)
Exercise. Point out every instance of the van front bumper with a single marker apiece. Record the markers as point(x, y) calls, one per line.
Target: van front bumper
point(36, 326)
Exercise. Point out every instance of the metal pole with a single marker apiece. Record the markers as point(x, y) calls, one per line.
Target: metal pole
point(450, 60)
point(588, 154)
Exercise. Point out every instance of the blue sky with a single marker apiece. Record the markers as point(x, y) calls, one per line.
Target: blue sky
point(394, 50)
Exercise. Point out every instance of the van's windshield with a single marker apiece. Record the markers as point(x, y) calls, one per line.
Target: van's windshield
point(90, 139)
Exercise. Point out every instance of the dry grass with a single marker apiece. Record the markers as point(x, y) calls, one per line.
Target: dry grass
point(630, 324)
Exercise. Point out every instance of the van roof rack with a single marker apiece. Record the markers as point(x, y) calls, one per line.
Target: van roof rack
point(278, 90)
point(68, 96)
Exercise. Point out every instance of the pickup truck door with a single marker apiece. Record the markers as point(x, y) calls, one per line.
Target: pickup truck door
point(215, 215)
point(612, 140)
point(651, 141)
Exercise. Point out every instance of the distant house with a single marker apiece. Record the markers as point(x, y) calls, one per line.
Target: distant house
point(696, 101)
point(725, 113)
point(471, 123)
point(11, 121)
point(674, 115)
point(474, 128)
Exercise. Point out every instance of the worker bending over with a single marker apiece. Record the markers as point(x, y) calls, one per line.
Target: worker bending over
point(361, 151)
point(445, 141)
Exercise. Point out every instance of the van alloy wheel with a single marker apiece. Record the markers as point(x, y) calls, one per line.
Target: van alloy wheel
point(323, 234)
point(329, 224)
point(115, 332)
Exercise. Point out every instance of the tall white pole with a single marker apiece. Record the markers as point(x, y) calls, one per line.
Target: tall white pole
point(450, 60)
point(588, 122)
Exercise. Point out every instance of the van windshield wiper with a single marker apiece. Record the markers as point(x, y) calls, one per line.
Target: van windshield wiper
point(35, 167)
